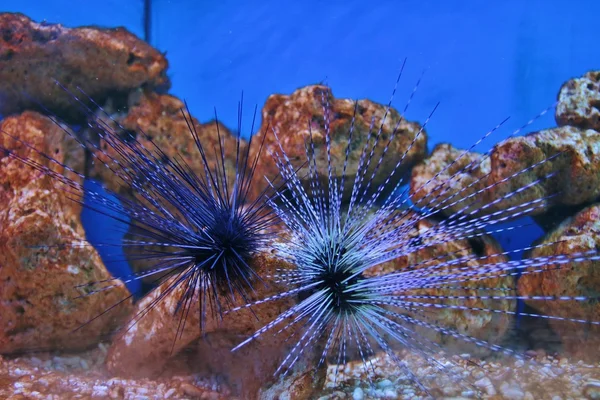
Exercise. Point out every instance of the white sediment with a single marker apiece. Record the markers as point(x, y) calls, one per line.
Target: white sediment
point(543, 377)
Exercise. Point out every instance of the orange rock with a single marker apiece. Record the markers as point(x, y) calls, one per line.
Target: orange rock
point(579, 233)
point(579, 102)
point(291, 115)
point(487, 326)
point(474, 180)
point(250, 371)
point(146, 346)
point(444, 174)
point(156, 120)
point(42, 261)
point(100, 61)
point(301, 383)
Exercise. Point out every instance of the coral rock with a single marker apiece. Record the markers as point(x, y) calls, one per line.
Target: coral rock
point(449, 173)
point(300, 383)
point(482, 185)
point(43, 263)
point(100, 61)
point(145, 348)
point(291, 115)
point(438, 250)
point(579, 102)
point(577, 234)
point(156, 121)
point(249, 371)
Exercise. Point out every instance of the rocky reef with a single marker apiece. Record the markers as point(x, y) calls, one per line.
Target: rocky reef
point(570, 153)
point(46, 267)
point(576, 234)
point(579, 102)
point(568, 181)
point(44, 272)
point(302, 116)
point(490, 327)
point(100, 61)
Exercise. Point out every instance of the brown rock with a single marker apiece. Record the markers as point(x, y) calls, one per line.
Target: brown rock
point(250, 371)
point(440, 248)
point(475, 180)
point(144, 350)
point(577, 234)
point(21, 134)
point(290, 116)
point(42, 261)
point(100, 61)
point(300, 383)
point(156, 122)
point(579, 102)
point(445, 177)
point(557, 214)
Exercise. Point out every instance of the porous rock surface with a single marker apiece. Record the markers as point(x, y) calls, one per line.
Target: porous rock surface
point(42, 264)
point(437, 249)
point(156, 122)
point(579, 233)
point(291, 115)
point(547, 168)
point(579, 102)
point(100, 61)
point(145, 349)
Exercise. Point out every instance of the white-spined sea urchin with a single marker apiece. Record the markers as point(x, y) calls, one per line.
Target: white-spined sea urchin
point(336, 247)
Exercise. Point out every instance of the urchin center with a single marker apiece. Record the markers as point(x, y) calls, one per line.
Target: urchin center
point(227, 242)
point(339, 284)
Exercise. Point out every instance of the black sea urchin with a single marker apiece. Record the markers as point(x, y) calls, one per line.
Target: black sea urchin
point(348, 298)
point(197, 229)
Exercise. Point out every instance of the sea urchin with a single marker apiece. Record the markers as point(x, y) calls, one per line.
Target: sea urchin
point(348, 300)
point(195, 229)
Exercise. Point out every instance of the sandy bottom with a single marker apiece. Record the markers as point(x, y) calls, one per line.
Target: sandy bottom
point(463, 377)
point(82, 376)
